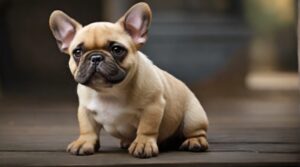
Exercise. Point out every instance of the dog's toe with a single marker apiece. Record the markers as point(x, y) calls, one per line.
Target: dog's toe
point(143, 148)
point(82, 147)
point(194, 144)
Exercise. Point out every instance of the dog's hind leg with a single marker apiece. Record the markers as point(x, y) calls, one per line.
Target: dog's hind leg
point(194, 130)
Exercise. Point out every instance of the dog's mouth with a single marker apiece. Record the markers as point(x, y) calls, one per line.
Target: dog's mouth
point(109, 72)
point(84, 74)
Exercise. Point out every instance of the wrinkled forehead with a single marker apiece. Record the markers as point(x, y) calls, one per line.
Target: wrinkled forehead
point(99, 35)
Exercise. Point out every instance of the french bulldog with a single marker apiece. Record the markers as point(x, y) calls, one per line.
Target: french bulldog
point(121, 91)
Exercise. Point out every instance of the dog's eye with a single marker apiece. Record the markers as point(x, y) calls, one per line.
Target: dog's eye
point(77, 52)
point(118, 50)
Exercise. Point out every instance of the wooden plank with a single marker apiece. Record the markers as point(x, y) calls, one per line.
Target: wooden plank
point(255, 147)
point(57, 138)
point(113, 146)
point(166, 159)
point(248, 114)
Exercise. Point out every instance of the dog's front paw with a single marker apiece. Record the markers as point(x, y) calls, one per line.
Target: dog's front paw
point(195, 144)
point(83, 146)
point(144, 147)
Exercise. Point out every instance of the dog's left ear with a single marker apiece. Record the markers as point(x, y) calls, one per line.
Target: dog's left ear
point(136, 22)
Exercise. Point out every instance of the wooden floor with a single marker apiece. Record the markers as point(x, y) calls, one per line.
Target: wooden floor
point(261, 130)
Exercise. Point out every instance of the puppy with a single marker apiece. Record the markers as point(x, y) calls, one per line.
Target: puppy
point(121, 91)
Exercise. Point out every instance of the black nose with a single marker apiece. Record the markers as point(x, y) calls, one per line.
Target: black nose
point(96, 58)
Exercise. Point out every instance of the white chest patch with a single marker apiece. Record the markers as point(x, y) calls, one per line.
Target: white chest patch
point(119, 120)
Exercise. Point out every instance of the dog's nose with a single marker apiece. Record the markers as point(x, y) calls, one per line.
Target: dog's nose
point(96, 58)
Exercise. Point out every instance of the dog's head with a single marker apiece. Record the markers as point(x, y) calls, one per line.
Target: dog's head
point(102, 54)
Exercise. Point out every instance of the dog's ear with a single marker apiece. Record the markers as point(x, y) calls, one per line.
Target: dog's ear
point(63, 28)
point(136, 22)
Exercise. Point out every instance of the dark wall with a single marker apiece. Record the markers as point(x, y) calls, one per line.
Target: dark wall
point(30, 58)
point(186, 39)
point(194, 40)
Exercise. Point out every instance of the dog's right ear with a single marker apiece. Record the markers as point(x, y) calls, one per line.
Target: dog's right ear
point(63, 28)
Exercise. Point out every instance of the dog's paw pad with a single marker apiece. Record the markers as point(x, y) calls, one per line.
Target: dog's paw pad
point(195, 144)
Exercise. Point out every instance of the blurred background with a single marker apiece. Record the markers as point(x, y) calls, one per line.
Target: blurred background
point(219, 48)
